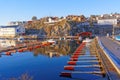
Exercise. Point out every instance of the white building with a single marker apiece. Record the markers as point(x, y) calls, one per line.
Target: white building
point(108, 21)
point(52, 20)
point(11, 31)
point(22, 23)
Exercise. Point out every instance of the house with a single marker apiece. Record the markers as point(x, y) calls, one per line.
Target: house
point(11, 31)
point(53, 20)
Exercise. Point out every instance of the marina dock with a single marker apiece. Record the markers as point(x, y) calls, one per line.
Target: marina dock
point(90, 60)
point(26, 46)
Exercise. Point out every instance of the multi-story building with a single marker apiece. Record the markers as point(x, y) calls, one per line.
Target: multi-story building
point(11, 31)
point(108, 21)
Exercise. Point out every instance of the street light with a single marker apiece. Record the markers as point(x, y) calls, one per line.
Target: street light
point(113, 33)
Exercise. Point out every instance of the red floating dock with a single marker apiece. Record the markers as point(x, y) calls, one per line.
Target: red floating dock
point(66, 74)
point(68, 68)
point(75, 56)
point(72, 62)
point(8, 53)
point(73, 59)
point(20, 50)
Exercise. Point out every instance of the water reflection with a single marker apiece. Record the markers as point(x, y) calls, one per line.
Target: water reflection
point(59, 49)
point(62, 47)
point(4, 43)
point(17, 64)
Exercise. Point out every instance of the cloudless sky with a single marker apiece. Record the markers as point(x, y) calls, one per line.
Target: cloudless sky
point(23, 10)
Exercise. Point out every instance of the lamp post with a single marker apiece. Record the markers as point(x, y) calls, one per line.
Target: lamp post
point(113, 33)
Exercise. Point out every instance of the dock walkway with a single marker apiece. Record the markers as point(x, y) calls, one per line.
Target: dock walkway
point(85, 61)
point(111, 45)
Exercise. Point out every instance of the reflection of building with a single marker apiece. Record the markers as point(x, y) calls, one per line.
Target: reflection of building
point(60, 48)
point(7, 43)
point(11, 31)
point(52, 54)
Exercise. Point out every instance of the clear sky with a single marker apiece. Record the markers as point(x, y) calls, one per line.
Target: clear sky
point(19, 10)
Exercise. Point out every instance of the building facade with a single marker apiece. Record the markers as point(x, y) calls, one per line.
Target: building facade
point(11, 31)
point(108, 21)
point(103, 29)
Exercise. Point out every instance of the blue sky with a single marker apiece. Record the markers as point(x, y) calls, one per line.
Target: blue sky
point(19, 10)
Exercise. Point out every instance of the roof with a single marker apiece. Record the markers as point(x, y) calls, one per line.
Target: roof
point(13, 26)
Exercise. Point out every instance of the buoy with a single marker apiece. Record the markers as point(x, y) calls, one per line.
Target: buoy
point(20, 50)
point(25, 49)
point(30, 48)
point(65, 74)
point(8, 53)
point(36, 47)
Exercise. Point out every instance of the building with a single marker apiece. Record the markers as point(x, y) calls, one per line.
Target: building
point(103, 29)
point(53, 20)
point(11, 31)
point(108, 21)
point(22, 23)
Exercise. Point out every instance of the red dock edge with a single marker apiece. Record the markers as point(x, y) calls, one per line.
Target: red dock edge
point(65, 74)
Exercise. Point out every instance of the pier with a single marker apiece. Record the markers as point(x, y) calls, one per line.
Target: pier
point(85, 60)
point(26, 46)
point(89, 60)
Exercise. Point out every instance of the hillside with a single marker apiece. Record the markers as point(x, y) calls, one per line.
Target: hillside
point(60, 28)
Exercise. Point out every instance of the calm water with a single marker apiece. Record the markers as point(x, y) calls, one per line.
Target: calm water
point(38, 64)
